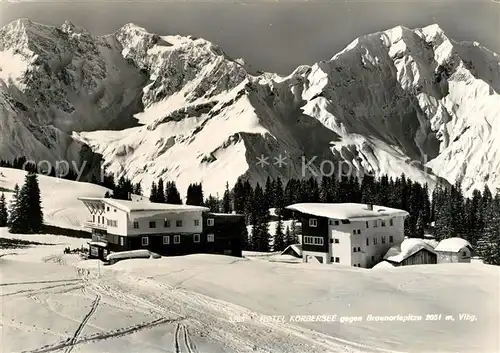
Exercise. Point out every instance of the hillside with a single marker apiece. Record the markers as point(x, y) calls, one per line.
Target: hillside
point(59, 197)
point(219, 302)
point(400, 100)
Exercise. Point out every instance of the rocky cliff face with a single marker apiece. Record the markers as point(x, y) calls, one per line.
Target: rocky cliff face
point(401, 100)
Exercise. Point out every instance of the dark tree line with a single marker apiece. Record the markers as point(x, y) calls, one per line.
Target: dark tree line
point(24, 214)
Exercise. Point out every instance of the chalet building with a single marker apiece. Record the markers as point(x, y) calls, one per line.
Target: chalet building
point(348, 233)
point(165, 229)
point(453, 250)
point(412, 251)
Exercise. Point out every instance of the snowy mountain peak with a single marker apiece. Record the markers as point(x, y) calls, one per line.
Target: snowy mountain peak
point(396, 101)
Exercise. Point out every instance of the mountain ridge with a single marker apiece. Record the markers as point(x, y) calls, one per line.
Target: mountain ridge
point(178, 107)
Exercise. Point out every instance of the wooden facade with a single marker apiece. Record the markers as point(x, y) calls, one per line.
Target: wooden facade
point(221, 234)
point(421, 257)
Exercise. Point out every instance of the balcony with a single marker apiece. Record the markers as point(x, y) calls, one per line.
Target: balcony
point(94, 225)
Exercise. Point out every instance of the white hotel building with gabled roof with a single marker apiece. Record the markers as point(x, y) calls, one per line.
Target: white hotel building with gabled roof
point(348, 233)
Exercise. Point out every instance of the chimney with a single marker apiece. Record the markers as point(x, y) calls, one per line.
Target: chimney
point(129, 196)
point(369, 207)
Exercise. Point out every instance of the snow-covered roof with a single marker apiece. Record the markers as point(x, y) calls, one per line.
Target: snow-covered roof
point(98, 243)
point(406, 249)
point(227, 214)
point(297, 248)
point(350, 211)
point(144, 205)
point(431, 242)
point(383, 264)
point(452, 245)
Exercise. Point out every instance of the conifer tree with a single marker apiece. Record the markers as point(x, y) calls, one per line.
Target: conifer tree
point(212, 203)
point(226, 200)
point(279, 237)
point(31, 204)
point(288, 236)
point(420, 227)
point(153, 193)
point(488, 246)
point(172, 195)
point(260, 234)
point(194, 195)
point(269, 194)
point(16, 224)
point(279, 196)
point(137, 189)
point(239, 197)
point(160, 192)
point(3, 211)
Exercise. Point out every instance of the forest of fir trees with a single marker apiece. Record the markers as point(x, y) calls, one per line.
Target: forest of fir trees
point(444, 213)
point(23, 214)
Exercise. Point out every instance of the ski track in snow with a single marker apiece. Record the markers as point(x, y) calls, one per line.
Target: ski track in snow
point(205, 317)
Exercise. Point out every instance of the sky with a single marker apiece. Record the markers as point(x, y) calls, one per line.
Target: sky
point(272, 36)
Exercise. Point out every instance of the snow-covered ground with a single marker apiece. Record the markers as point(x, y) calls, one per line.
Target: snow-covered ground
point(59, 197)
point(207, 303)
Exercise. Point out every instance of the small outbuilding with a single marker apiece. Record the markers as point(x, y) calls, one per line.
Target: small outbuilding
point(293, 250)
point(453, 250)
point(412, 251)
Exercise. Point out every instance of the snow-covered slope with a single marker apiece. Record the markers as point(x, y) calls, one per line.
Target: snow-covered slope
point(59, 197)
point(401, 100)
point(218, 305)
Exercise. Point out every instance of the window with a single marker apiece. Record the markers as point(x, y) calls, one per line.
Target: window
point(383, 223)
point(313, 222)
point(196, 222)
point(318, 241)
point(107, 209)
point(114, 210)
point(359, 265)
point(464, 253)
point(383, 240)
point(331, 241)
point(152, 224)
point(359, 231)
point(332, 259)
point(313, 240)
point(359, 249)
point(373, 258)
point(210, 222)
point(336, 240)
point(353, 249)
point(98, 219)
point(111, 223)
point(178, 223)
point(391, 239)
point(346, 221)
point(354, 265)
point(136, 225)
point(354, 231)
point(177, 239)
point(210, 238)
point(166, 223)
point(367, 224)
point(391, 222)
point(333, 222)
point(367, 242)
point(196, 238)
point(122, 241)
point(375, 225)
point(93, 218)
point(375, 241)
point(337, 259)
point(336, 223)
point(145, 241)
point(166, 239)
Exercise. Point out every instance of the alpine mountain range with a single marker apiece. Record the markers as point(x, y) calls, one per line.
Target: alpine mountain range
point(398, 101)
